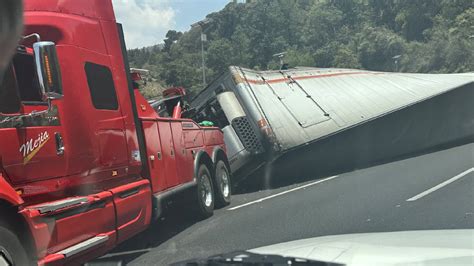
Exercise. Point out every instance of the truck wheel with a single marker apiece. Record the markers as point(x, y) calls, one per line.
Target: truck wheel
point(223, 184)
point(205, 192)
point(11, 250)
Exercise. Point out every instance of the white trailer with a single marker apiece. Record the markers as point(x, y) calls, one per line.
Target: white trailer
point(266, 114)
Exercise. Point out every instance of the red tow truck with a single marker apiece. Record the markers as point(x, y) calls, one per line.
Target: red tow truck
point(85, 161)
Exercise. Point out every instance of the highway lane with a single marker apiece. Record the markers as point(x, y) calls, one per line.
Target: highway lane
point(375, 199)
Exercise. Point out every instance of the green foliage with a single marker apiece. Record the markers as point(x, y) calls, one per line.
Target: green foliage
point(220, 54)
point(345, 58)
point(378, 46)
point(429, 35)
point(172, 36)
point(151, 89)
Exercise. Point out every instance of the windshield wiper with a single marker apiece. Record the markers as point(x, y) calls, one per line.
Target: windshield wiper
point(248, 258)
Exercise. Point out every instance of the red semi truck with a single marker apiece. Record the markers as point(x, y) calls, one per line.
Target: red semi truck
point(85, 169)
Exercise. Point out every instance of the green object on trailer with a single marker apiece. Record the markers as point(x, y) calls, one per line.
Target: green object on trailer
point(206, 123)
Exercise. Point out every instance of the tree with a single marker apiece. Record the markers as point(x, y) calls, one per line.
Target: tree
point(430, 36)
point(220, 55)
point(378, 47)
point(172, 36)
point(346, 58)
point(322, 24)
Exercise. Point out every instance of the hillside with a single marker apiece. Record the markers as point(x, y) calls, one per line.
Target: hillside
point(429, 35)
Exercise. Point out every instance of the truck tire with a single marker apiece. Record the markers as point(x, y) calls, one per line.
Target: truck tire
point(223, 185)
point(11, 250)
point(205, 192)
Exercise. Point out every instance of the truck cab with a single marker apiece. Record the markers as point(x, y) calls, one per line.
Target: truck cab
point(69, 142)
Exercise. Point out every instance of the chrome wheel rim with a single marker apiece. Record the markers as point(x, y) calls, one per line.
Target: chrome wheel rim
point(206, 190)
point(224, 182)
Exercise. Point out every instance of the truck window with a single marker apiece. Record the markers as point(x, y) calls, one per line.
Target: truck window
point(9, 99)
point(162, 111)
point(214, 113)
point(160, 108)
point(27, 79)
point(101, 86)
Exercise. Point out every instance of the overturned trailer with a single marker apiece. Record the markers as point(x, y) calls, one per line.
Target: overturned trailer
point(335, 118)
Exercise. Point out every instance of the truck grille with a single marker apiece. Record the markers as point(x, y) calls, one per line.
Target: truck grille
point(247, 135)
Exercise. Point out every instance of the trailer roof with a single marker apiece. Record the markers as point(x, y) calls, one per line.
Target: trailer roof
point(323, 101)
point(350, 90)
point(390, 88)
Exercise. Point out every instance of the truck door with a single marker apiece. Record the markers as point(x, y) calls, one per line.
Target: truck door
point(106, 117)
point(38, 140)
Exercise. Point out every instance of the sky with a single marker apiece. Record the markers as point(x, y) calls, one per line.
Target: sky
point(146, 22)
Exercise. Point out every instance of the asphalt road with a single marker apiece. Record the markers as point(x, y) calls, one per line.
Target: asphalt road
point(433, 191)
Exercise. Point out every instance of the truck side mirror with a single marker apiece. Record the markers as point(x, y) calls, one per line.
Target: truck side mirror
point(48, 70)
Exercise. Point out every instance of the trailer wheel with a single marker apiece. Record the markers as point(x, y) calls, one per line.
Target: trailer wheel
point(11, 250)
point(223, 184)
point(205, 192)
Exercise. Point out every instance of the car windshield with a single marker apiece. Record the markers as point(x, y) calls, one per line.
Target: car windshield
point(206, 132)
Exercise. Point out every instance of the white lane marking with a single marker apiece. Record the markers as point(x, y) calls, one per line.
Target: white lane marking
point(447, 182)
point(282, 193)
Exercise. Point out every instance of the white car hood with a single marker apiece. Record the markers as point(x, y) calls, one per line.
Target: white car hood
point(437, 247)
